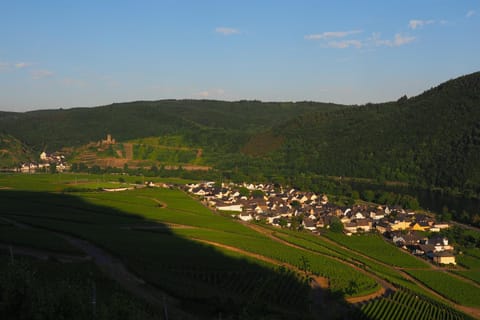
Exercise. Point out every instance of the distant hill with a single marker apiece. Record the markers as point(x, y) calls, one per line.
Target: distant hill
point(200, 121)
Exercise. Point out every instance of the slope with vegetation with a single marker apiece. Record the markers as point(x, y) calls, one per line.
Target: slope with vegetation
point(13, 151)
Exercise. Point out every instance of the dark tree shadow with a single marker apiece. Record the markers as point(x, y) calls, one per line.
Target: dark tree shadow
point(196, 280)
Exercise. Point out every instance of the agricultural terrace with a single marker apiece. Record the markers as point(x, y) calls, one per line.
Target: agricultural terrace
point(175, 207)
point(322, 245)
point(405, 305)
point(449, 286)
point(374, 246)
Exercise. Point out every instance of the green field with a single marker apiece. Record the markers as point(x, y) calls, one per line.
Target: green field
point(374, 246)
point(449, 286)
point(470, 274)
point(469, 259)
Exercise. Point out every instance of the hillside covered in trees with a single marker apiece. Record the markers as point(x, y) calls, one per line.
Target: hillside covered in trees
point(13, 151)
point(431, 140)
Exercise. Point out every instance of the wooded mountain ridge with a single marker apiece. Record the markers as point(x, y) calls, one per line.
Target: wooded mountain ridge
point(432, 139)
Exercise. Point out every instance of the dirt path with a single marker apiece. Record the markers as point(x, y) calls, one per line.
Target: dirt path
point(42, 254)
point(162, 204)
point(164, 226)
point(117, 271)
point(466, 226)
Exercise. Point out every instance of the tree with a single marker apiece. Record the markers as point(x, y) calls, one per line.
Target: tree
point(304, 265)
point(355, 195)
point(368, 195)
point(336, 225)
point(296, 204)
point(257, 194)
point(282, 222)
point(244, 192)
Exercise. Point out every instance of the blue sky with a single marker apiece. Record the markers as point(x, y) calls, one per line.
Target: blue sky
point(86, 53)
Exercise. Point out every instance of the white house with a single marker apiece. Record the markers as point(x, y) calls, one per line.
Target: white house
point(244, 216)
point(233, 208)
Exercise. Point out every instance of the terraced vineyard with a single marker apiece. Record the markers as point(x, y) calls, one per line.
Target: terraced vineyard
point(449, 286)
point(375, 247)
point(405, 305)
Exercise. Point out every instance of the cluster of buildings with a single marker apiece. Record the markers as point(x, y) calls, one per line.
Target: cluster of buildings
point(46, 161)
point(435, 248)
point(292, 208)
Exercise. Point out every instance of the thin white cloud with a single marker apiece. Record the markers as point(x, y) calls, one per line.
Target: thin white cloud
point(204, 94)
point(470, 13)
point(414, 24)
point(21, 65)
point(398, 40)
point(215, 93)
point(401, 40)
point(4, 66)
point(227, 31)
point(331, 35)
point(39, 74)
point(345, 44)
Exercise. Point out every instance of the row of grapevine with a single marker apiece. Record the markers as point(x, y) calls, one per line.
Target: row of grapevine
point(282, 287)
point(404, 304)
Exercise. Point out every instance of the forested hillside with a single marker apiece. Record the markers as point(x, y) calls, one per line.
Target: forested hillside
point(12, 151)
point(225, 125)
point(429, 140)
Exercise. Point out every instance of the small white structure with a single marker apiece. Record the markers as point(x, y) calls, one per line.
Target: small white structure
point(233, 208)
point(244, 216)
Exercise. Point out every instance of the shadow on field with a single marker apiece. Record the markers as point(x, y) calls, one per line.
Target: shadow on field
point(179, 277)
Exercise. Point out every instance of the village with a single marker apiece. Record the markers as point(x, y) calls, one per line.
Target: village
point(46, 163)
point(306, 210)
